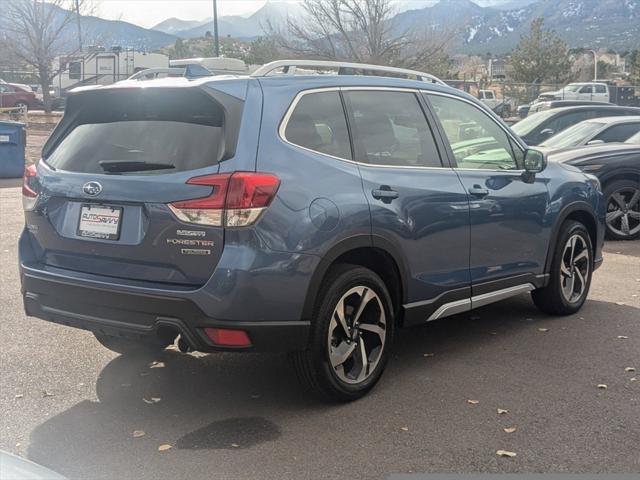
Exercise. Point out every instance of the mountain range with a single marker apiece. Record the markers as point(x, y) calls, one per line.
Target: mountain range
point(480, 26)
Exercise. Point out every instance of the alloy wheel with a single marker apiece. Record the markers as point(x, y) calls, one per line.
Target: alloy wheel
point(357, 334)
point(574, 268)
point(623, 212)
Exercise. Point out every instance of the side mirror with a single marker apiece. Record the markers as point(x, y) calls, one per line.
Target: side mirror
point(534, 162)
point(546, 133)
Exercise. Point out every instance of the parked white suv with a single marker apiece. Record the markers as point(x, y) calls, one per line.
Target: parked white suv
point(592, 91)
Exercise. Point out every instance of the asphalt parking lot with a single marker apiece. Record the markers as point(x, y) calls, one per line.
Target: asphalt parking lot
point(73, 406)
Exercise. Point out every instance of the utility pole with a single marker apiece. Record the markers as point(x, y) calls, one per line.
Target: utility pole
point(79, 27)
point(595, 64)
point(216, 39)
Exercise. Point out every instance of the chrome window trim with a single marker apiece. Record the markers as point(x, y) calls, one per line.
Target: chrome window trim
point(285, 122)
point(502, 127)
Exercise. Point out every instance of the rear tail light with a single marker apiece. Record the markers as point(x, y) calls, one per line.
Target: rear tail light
point(29, 188)
point(236, 200)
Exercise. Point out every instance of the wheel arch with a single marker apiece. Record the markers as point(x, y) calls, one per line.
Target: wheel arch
point(377, 254)
point(581, 212)
point(621, 174)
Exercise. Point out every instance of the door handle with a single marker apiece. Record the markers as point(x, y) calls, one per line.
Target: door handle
point(384, 193)
point(478, 191)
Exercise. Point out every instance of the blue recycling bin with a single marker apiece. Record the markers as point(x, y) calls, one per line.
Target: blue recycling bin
point(13, 142)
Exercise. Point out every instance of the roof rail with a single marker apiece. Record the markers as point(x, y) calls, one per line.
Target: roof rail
point(344, 68)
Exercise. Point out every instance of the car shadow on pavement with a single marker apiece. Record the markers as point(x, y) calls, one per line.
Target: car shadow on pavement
point(227, 401)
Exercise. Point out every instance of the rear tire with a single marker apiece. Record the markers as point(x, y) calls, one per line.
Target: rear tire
point(571, 271)
point(351, 335)
point(23, 105)
point(125, 346)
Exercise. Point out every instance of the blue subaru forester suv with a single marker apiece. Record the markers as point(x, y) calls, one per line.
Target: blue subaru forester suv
point(313, 214)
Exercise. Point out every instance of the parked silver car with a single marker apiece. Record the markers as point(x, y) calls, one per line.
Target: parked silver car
point(594, 131)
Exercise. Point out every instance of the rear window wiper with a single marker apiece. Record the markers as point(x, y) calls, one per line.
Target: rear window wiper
point(117, 166)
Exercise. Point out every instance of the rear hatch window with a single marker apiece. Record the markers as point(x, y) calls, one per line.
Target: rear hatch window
point(141, 131)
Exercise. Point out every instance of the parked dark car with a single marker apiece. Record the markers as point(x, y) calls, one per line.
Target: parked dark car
point(618, 168)
point(17, 96)
point(539, 126)
point(313, 215)
point(550, 105)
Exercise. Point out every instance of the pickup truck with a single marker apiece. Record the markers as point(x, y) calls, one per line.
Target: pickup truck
point(591, 91)
point(501, 106)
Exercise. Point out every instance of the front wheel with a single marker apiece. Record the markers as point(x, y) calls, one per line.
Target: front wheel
point(351, 334)
point(571, 271)
point(22, 105)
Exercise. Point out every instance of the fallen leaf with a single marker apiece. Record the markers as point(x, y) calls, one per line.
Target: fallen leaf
point(622, 337)
point(19, 396)
point(151, 400)
point(404, 429)
point(164, 448)
point(18, 444)
point(505, 453)
point(502, 411)
point(473, 402)
point(138, 433)
point(47, 394)
point(620, 303)
point(543, 329)
point(428, 355)
point(630, 369)
point(634, 379)
point(235, 445)
point(156, 365)
point(509, 429)
point(602, 386)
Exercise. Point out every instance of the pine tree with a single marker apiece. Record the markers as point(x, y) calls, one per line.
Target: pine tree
point(540, 56)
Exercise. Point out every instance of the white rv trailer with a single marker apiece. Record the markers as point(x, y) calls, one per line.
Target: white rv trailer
point(98, 66)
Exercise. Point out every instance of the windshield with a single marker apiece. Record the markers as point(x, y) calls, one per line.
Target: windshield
point(148, 132)
point(526, 125)
point(573, 136)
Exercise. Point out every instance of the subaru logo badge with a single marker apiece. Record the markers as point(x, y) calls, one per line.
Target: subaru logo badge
point(92, 188)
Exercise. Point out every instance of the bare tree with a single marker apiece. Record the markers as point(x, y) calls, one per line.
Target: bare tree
point(37, 32)
point(360, 31)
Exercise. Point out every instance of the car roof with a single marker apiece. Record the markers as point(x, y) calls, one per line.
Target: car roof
point(577, 108)
point(587, 151)
point(614, 120)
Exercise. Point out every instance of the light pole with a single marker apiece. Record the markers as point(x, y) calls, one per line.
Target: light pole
point(79, 27)
point(216, 40)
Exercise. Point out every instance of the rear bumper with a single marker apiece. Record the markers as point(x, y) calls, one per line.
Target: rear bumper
point(263, 297)
point(143, 316)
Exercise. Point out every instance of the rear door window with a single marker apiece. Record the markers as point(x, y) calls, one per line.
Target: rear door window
point(142, 132)
point(318, 123)
point(390, 128)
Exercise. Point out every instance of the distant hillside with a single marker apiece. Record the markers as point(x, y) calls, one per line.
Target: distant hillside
point(247, 27)
point(582, 23)
point(174, 25)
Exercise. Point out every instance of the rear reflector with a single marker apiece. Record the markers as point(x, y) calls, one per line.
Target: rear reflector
point(228, 338)
point(29, 188)
point(236, 200)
